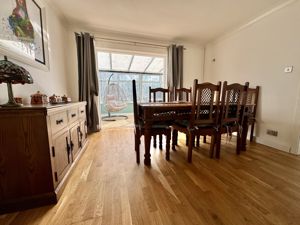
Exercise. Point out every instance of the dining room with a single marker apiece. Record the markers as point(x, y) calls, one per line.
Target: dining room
point(178, 113)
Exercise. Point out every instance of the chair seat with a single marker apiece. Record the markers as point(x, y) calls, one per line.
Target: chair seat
point(181, 123)
point(156, 128)
point(186, 123)
point(230, 124)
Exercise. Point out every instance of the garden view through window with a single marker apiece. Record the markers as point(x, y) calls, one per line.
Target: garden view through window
point(116, 72)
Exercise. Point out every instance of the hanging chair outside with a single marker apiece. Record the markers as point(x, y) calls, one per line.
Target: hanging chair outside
point(114, 100)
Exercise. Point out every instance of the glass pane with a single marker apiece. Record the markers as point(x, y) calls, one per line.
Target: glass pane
point(151, 78)
point(120, 62)
point(125, 88)
point(145, 93)
point(104, 76)
point(103, 91)
point(115, 77)
point(103, 61)
point(157, 66)
point(140, 63)
point(135, 77)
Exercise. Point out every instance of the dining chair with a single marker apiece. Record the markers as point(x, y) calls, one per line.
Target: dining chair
point(183, 94)
point(158, 95)
point(251, 103)
point(204, 115)
point(232, 109)
point(156, 128)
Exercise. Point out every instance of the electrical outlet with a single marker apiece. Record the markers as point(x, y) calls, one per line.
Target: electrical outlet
point(288, 69)
point(272, 132)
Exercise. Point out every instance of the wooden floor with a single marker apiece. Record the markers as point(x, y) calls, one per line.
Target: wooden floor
point(259, 187)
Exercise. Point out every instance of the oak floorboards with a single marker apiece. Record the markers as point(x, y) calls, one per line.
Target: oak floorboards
point(260, 187)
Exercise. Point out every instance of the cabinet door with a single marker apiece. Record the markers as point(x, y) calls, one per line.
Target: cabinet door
point(61, 155)
point(75, 140)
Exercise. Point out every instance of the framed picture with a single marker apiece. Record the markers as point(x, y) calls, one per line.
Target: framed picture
point(22, 32)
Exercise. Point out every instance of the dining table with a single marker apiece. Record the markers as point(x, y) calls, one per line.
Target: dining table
point(154, 112)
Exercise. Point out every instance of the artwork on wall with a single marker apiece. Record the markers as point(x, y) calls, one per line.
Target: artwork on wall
point(22, 31)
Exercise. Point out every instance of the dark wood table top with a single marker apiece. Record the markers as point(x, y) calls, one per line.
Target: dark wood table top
point(159, 111)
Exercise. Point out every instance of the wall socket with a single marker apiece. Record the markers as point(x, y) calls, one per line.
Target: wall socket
point(272, 132)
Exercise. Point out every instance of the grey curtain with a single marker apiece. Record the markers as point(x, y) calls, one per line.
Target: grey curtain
point(88, 80)
point(175, 68)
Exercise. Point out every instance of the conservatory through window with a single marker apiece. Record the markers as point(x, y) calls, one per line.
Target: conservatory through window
point(122, 68)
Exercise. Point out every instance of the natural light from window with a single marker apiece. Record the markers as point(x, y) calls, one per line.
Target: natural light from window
point(122, 68)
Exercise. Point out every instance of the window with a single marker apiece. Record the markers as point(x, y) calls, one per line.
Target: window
point(123, 68)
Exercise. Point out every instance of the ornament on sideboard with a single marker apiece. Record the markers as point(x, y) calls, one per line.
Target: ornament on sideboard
point(11, 73)
point(55, 99)
point(38, 98)
point(66, 99)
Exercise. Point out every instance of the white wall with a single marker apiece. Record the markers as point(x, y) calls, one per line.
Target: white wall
point(53, 81)
point(258, 54)
point(193, 59)
point(72, 65)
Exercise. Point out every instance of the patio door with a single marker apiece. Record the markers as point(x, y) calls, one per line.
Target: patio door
point(118, 69)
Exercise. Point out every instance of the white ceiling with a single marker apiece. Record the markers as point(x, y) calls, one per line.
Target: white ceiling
point(185, 20)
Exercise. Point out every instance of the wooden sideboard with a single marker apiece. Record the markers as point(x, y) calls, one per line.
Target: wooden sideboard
point(39, 146)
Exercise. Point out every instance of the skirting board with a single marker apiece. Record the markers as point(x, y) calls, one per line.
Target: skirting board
point(273, 144)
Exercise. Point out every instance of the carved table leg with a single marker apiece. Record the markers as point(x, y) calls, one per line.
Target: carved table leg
point(168, 138)
point(147, 136)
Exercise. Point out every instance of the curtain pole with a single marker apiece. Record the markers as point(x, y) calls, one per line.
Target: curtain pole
point(131, 42)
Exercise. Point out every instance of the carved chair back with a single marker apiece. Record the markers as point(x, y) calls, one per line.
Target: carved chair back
point(183, 94)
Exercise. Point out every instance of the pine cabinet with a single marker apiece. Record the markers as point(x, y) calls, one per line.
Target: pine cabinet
point(39, 146)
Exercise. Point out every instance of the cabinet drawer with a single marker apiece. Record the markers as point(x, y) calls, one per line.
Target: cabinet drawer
point(82, 112)
point(73, 115)
point(58, 121)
